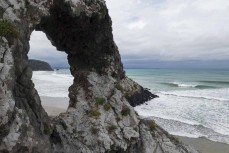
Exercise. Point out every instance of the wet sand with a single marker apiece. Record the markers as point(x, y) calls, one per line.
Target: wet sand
point(54, 105)
point(204, 145)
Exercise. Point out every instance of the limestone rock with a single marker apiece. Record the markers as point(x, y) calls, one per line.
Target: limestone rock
point(100, 117)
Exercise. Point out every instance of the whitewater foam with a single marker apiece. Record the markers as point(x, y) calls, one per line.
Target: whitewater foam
point(52, 84)
point(210, 94)
point(195, 131)
point(196, 117)
point(189, 85)
point(183, 85)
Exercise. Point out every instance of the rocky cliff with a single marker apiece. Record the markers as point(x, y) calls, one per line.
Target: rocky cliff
point(37, 65)
point(99, 118)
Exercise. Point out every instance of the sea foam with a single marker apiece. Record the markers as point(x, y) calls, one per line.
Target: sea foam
point(192, 113)
point(52, 84)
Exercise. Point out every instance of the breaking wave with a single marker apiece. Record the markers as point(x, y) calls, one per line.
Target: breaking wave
point(183, 85)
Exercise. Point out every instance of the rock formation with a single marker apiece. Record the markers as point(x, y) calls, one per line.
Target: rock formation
point(37, 65)
point(99, 118)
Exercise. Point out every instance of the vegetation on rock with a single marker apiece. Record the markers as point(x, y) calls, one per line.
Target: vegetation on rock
point(120, 88)
point(7, 29)
point(46, 128)
point(107, 107)
point(99, 101)
point(94, 130)
point(175, 139)
point(153, 126)
point(111, 128)
point(125, 111)
point(118, 118)
point(94, 113)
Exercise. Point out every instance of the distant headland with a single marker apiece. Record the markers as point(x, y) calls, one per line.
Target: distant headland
point(38, 65)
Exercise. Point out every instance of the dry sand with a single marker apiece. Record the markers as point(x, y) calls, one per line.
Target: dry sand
point(55, 106)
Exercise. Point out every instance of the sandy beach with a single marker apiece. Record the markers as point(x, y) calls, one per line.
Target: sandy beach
point(54, 106)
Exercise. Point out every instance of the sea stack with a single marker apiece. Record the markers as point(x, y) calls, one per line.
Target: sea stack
point(99, 118)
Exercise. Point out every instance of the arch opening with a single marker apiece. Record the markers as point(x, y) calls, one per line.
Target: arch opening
point(52, 85)
point(88, 42)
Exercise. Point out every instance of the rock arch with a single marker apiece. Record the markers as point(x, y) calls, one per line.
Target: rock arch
point(99, 118)
point(82, 37)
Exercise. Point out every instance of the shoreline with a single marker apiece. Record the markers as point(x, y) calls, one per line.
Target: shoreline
point(205, 145)
point(56, 105)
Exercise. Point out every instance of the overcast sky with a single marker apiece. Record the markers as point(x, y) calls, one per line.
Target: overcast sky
point(150, 33)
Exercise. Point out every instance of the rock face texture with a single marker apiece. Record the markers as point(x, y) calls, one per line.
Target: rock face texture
point(99, 118)
point(37, 65)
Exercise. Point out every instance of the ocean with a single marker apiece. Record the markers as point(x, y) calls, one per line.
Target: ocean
point(192, 103)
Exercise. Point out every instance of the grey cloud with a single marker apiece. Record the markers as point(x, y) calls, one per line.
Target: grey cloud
point(42, 49)
point(187, 64)
point(174, 30)
point(159, 30)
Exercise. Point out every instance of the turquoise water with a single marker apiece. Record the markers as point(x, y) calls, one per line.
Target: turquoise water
point(167, 79)
point(193, 103)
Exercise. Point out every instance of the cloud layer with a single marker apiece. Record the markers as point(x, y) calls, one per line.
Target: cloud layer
point(159, 30)
point(171, 29)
